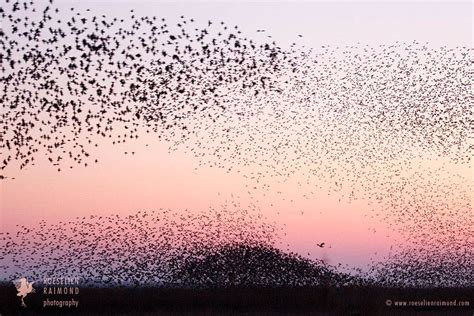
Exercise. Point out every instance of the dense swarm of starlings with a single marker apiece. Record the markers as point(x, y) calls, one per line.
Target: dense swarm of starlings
point(365, 121)
point(229, 246)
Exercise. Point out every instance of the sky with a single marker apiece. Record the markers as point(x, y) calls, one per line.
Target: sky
point(155, 178)
point(320, 22)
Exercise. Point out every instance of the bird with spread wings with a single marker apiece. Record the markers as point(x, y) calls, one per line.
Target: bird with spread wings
point(24, 288)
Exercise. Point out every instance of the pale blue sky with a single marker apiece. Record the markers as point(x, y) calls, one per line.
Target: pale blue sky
point(320, 23)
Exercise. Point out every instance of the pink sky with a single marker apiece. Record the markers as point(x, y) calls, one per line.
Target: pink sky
point(152, 178)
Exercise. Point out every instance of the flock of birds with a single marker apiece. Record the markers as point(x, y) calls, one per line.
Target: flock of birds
point(226, 246)
point(358, 121)
point(229, 246)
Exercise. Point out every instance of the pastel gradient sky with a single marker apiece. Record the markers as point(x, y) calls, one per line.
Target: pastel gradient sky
point(153, 178)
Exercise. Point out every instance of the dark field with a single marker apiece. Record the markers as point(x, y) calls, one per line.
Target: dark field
point(240, 301)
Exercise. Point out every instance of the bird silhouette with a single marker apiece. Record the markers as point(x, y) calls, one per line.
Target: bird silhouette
point(24, 288)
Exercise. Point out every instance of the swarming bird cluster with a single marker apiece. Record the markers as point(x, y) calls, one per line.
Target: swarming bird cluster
point(69, 78)
point(229, 247)
point(388, 123)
